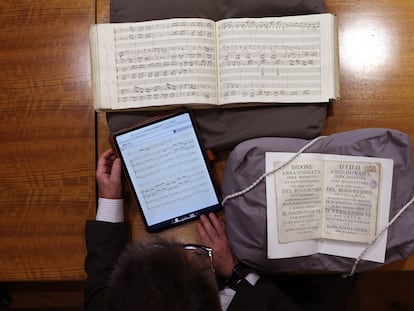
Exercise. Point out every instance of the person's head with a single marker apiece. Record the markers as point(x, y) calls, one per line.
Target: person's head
point(159, 274)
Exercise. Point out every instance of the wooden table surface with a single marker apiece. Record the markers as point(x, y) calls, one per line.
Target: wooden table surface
point(47, 135)
point(49, 131)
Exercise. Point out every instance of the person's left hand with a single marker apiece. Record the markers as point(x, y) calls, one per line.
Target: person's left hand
point(212, 234)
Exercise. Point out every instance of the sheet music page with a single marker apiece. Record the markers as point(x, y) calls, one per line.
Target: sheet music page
point(275, 59)
point(158, 62)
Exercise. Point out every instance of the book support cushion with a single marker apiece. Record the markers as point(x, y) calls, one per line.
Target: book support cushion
point(246, 214)
point(223, 128)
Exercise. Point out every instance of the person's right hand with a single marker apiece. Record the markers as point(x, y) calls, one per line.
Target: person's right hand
point(213, 234)
point(108, 175)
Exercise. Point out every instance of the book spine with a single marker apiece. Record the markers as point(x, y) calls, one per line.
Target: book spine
point(217, 69)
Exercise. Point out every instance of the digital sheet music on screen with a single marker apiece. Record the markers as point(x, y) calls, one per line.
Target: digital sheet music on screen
point(167, 169)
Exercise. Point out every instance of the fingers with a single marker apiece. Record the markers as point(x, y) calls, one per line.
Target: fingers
point(210, 229)
point(205, 239)
point(116, 170)
point(217, 225)
point(104, 161)
point(108, 154)
point(212, 234)
point(108, 175)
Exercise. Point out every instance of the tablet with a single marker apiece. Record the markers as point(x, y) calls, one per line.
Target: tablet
point(167, 170)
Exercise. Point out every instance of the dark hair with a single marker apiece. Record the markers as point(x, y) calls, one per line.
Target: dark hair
point(156, 274)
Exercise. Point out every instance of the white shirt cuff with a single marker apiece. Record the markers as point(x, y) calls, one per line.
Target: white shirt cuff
point(110, 210)
point(252, 278)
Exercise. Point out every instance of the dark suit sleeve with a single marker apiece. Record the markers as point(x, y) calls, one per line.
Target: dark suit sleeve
point(264, 296)
point(104, 243)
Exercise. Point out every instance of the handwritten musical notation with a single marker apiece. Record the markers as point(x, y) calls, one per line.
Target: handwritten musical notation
point(263, 60)
point(190, 61)
point(167, 60)
point(120, 38)
point(265, 24)
point(165, 91)
point(252, 93)
point(165, 25)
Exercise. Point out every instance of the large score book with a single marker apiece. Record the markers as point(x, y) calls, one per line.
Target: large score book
point(199, 62)
point(325, 203)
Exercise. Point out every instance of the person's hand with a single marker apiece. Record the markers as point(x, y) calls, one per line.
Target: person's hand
point(108, 175)
point(212, 234)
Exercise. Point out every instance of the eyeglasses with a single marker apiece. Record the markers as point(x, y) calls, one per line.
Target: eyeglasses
point(197, 249)
point(202, 251)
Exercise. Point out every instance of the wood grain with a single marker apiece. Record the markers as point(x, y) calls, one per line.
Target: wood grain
point(376, 43)
point(48, 141)
point(47, 131)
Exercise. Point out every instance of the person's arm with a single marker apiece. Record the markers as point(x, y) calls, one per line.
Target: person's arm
point(106, 236)
point(212, 233)
point(104, 242)
point(246, 289)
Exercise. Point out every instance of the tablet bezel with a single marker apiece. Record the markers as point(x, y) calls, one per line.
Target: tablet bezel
point(178, 219)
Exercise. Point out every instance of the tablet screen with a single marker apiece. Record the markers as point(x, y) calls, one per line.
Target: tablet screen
point(168, 171)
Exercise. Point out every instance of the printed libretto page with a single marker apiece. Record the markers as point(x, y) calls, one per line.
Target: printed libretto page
point(200, 62)
point(327, 199)
point(331, 204)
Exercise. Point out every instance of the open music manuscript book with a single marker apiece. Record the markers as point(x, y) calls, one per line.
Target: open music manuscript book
point(200, 62)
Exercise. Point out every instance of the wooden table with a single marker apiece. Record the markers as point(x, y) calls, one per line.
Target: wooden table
point(47, 130)
point(47, 138)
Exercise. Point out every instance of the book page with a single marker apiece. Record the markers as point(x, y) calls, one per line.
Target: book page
point(276, 59)
point(299, 200)
point(157, 63)
point(327, 246)
point(351, 197)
